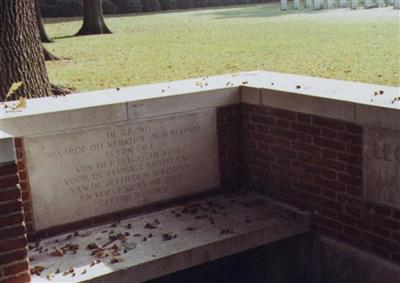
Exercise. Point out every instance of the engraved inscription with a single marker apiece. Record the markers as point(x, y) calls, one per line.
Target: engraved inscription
point(382, 166)
point(92, 172)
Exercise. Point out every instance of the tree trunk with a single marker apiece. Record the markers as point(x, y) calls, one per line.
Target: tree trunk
point(43, 35)
point(93, 20)
point(48, 56)
point(21, 58)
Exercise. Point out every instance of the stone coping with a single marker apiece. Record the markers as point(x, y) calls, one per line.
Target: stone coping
point(163, 242)
point(7, 150)
point(374, 105)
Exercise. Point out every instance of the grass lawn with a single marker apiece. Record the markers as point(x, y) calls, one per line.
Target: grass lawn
point(361, 45)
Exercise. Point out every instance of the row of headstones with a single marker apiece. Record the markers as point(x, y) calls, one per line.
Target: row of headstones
point(319, 4)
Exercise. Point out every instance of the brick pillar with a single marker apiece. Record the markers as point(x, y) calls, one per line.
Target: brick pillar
point(14, 264)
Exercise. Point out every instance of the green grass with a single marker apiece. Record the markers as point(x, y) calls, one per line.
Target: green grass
point(360, 45)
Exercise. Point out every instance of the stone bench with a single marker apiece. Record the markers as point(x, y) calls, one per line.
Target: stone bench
point(159, 243)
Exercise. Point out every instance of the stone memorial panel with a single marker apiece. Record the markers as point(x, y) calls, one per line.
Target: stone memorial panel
point(284, 5)
point(91, 172)
point(343, 3)
point(382, 166)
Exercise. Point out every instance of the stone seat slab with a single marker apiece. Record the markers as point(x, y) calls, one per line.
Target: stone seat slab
point(158, 243)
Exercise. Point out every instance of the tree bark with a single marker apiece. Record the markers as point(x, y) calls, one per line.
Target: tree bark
point(43, 34)
point(93, 20)
point(21, 54)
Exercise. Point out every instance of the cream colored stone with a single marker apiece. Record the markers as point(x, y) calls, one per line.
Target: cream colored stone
point(182, 103)
point(7, 149)
point(330, 108)
point(91, 172)
point(267, 222)
point(378, 117)
point(250, 95)
point(382, 166)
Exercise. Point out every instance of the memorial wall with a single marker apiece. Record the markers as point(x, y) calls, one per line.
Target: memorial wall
point(330, 147)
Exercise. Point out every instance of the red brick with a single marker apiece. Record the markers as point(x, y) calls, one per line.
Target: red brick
point(348, 138)
point(353, 211)
point(21, 164)
point(355, 171)
point(328, 133)
point(304, 157)
point(328, 163)
point(384, 243)
point(304, 138)
point(329, 123)
point(12, 232)
point(283, 142)
point(10, 194)
point(332, 144)
point(309, 188)
point(351, 159)
point(14, 244)
point(350, 180)
point(346, 219)
point(16, 268)
point(354, 191)
point(263, 119)
point(327, 153)
point(329, 193)
point(283, 124)
point(22, 175)
point(8, 169)
point(354, 149)
point(10, 207)
point(312, 130)
point(382, 210)
point(18, 142)
point(23, 278)
point(8, 181)
point(302, 147)
point(332, 204)
point(20, 154)
point(380, 231)
point(281, 151)
point(283, 133)
point(351, 231)
point(13, 256)
point(11, 219)
point(327, 222)
point(352, 128)
point(326, 183)
point(303, 118)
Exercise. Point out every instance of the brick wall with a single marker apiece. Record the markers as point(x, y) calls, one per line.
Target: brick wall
point(230, 146)
point(315, 163)
point(14, 265)
point(23, 181)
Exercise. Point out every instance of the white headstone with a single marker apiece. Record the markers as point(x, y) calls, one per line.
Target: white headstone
point(92, 172)
point(354, 4)
point(309, 4)
point(370, 4)
point(296, 4)
point(284, 5)
point(381, 3)
point(396, 4)
point(317, 4)
point(331, 4)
